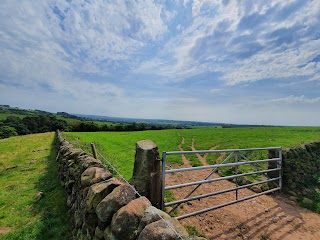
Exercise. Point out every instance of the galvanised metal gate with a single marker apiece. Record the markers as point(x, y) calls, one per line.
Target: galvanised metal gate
point(274, 160)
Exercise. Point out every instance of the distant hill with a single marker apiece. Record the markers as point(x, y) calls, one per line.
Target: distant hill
point(148, 121)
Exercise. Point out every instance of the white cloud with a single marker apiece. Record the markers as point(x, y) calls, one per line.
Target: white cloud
point(296, 99)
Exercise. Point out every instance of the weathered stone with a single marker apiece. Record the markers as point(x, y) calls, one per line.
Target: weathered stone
point(146, 172)
point(98, 191)
point(256, 189)
point(126, 221)
point(94, 175)
point(74, 153)
point(159, 231)
point(119, 197)
point(153, 214)
point(246, 181)
point(307, 201)
point(39, 196)
point(90, 162)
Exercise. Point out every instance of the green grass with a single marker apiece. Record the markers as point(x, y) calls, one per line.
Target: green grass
point(192, 231)
point(119, 147)
point(28, 166)
point(4, 116)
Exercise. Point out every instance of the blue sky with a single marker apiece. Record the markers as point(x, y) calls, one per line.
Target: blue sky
point(254, 62)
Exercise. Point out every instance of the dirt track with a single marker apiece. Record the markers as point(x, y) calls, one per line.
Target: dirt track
point(272, 217)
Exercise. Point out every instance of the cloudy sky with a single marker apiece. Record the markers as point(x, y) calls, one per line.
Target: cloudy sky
point(254, 62)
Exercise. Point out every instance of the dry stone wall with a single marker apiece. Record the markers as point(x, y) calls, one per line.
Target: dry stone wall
point(301, 168)
point(103, 207)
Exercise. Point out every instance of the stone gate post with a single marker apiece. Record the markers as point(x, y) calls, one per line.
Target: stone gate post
point(147, 171)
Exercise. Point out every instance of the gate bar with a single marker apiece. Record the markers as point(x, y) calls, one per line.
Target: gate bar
point(218, 179)
point(220, 165)
point(226, 204)
point(218, 151)
point(219, 192)
point(207, 177)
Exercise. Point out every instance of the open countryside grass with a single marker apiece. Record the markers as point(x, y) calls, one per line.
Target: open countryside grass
point(28, 166)
point(119, 147)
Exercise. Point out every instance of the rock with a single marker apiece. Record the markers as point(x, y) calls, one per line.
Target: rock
point(119, 197)
point(146, 172)
point(159, 231)
point(94, 175)
point(256, 189)
point(126, 221)
point(87, 162)
point(98, 191)
point(307, 201)
point(153, 214)
point(39, 196)
point(246, 181)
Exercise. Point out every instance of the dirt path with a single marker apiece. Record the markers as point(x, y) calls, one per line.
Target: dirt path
point(183, 157)
point(272, 217)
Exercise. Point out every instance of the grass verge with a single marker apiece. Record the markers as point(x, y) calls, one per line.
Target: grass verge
point(28, 167)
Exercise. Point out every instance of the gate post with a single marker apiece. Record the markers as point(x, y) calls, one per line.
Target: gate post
point(273, 153)
point(147, 172)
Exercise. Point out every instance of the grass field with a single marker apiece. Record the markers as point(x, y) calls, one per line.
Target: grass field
point(28, 166)
point(4, 116)
point(119, 147)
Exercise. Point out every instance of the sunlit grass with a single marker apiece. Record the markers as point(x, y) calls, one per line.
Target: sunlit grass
point(28, 167)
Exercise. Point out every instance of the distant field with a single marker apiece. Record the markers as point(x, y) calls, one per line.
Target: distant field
point(3, 116)
point(119, 147)
point(28, 166)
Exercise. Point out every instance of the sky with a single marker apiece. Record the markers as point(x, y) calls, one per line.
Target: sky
point(247, 62)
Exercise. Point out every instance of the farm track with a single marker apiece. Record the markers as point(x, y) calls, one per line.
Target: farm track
point(272, 217)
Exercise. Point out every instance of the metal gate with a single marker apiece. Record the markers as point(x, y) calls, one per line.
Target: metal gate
point(238, 156)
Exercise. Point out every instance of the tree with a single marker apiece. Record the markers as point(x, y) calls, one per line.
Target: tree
point(7, 131)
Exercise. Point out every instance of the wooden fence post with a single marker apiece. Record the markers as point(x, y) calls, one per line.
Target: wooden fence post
point(147, 171)
point(94, 152)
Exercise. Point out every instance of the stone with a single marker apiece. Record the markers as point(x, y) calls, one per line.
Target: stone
point(147, 172)
point(39, 196)
point(307, 201)
point(119, 197)
point(94, 175)
point(256, 189)
point(153, 214)
point(75, 153)
point(126, 221)
point(159, 231)
point(98, 191)
point(246, 181)
point(87, 161)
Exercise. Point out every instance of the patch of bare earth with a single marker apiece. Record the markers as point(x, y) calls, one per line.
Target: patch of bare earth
point(272, 217)
point(4, 230)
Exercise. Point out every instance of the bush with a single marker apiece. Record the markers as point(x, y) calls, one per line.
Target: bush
point(7, 131)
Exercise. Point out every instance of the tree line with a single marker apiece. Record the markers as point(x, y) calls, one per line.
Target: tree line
point(14, 126)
